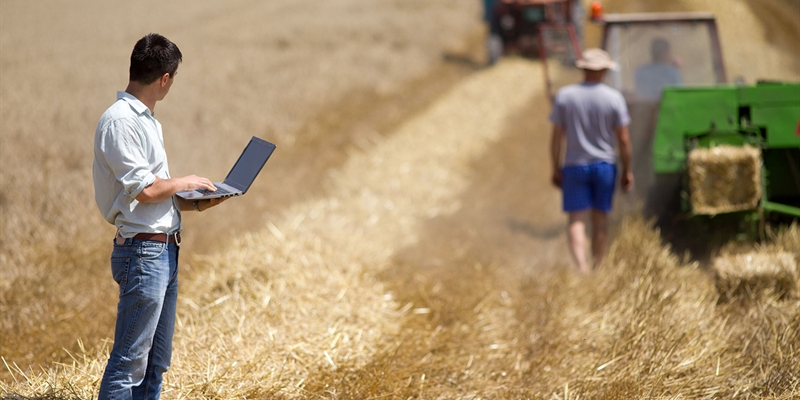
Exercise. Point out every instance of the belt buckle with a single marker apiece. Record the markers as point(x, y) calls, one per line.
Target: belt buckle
point(177, 237)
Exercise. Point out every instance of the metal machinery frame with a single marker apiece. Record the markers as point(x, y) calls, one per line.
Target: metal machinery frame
point(518, 23)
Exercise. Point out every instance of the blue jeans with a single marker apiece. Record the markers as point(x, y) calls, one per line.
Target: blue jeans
point(147, 274)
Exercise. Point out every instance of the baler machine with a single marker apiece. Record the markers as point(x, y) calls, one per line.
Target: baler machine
point(730, 152)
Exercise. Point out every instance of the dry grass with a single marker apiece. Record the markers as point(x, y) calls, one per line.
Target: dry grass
point(657, 320)
point(645, 326)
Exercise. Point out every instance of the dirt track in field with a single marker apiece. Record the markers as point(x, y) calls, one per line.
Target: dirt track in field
point(349, 113)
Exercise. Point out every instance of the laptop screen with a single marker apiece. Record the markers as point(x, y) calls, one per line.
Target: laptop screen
point(251, 161)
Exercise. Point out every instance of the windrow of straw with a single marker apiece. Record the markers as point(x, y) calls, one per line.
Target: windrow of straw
point(645, 325)
point(302, 295)
point(724, 179)
point(310, 283)
point(648, 325)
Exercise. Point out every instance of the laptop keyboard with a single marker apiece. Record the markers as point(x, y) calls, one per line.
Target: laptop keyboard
point(219, 190)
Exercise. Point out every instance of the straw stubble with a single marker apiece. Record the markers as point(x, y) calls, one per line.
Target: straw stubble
point(302, 295)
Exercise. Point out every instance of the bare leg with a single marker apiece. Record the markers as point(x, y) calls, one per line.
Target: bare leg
point(599, 236)
point(577, 238)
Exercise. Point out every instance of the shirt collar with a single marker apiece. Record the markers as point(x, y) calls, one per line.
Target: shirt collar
point(135, 103)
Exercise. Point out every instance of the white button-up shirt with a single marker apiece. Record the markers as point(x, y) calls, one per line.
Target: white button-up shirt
point(128, 156)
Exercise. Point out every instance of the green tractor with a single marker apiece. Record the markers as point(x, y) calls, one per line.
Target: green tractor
point(712, 160)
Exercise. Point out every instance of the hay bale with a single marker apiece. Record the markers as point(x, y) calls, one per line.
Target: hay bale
point(724, 179)
point(754, 275)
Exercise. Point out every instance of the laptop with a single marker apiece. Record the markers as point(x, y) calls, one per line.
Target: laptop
point(242, 175)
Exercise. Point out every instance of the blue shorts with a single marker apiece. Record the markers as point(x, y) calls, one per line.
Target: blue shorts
point(588, 186)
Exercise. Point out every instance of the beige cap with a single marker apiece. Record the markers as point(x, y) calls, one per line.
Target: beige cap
point(595, 60)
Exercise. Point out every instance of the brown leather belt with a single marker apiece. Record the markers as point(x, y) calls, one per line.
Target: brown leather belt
point(158, 237)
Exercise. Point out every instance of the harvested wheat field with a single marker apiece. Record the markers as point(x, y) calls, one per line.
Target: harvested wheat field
point(404, 240)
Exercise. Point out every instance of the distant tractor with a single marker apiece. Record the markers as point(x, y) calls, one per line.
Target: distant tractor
point(516, 26)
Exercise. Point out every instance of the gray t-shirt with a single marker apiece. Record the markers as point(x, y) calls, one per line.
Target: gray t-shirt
point(589, 114)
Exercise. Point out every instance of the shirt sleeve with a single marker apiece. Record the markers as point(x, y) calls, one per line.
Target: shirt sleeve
point(623, 117)
point(123, 149)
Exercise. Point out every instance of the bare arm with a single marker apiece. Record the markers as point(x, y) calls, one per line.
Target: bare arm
point(625, 155)
point(556, 142)
point(163, 189)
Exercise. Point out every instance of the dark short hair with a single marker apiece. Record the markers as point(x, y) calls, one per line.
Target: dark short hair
point(152, 57)
point(659, 48)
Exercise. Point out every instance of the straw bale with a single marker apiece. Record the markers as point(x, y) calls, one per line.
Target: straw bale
point(756, 273)
point(724, 179)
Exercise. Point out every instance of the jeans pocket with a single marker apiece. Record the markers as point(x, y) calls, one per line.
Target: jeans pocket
point(120, 267)
point(150, 250)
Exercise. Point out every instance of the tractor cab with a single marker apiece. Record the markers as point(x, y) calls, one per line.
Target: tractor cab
point(658, 50)
point(653, 51)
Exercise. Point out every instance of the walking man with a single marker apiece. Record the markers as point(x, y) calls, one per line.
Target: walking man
point(589, 118)
point(135, 193)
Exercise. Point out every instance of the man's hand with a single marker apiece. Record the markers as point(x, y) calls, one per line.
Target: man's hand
point(203, 205)
point(626, 155)
point(626, 181)
point(192, 182)
point(556, 141)
point(557, 178)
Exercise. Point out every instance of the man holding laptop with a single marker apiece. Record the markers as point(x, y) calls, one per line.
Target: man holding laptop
point(135, 192)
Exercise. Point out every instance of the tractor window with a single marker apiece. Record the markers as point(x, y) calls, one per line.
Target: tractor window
point(533, 14)
point(654, 55)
